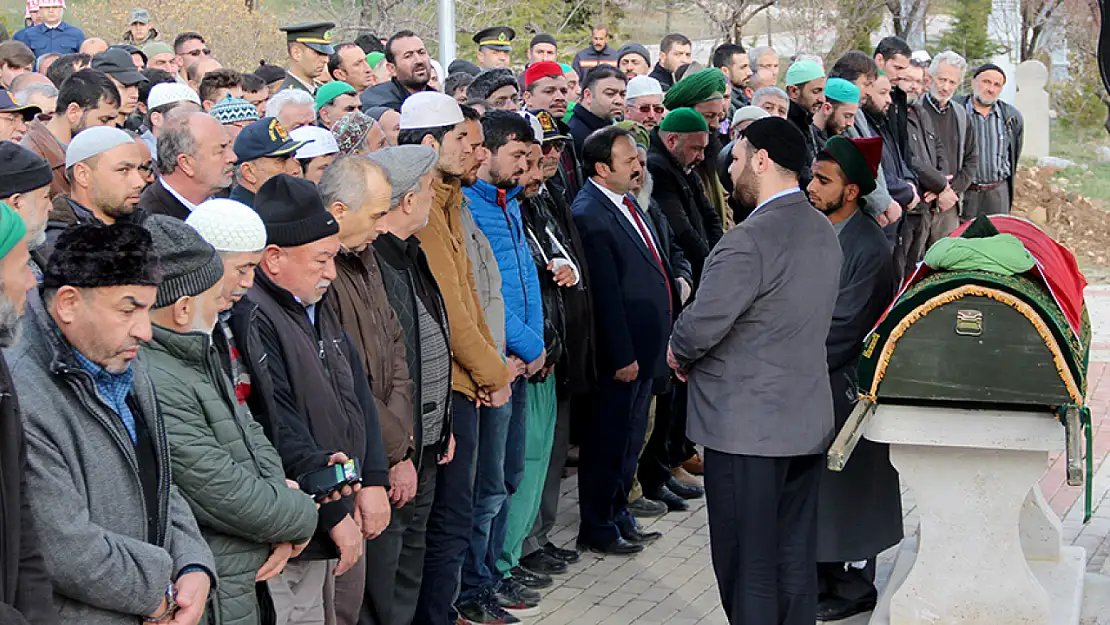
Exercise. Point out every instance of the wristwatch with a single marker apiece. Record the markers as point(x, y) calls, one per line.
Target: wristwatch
point(171, 606)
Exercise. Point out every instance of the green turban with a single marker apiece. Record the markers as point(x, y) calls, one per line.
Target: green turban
point(704, 86)
point(12, 228)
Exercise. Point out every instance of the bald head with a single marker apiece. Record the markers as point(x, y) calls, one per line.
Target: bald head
point(93, 46)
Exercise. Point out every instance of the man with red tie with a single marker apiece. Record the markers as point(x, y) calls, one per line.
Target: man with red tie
point(634, 296)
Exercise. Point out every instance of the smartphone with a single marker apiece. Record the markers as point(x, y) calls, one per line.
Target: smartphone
point(322, 482)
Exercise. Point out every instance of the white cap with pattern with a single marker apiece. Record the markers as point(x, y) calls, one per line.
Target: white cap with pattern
point(430, 109)
point(170, 92)
point(229, 226)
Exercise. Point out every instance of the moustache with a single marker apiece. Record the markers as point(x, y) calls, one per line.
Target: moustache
point(323, 284)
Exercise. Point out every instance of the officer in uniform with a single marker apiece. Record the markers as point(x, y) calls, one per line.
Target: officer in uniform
point(309, 49)
point(494, 46)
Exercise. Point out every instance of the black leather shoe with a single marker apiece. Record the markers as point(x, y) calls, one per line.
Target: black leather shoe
point(837, 609)
point(644, 508)
point(540, 562)
point(569, 556)
point(686, 491)
point(637, 536)
point(619, 547)
point(530, 579)
point(670, 499)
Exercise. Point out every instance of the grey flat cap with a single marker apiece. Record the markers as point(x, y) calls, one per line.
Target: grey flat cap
point(404, 165)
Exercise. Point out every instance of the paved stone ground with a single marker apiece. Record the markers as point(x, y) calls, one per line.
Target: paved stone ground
point(672, 580)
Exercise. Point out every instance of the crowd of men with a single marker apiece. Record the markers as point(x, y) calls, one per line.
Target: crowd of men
point(312, 345)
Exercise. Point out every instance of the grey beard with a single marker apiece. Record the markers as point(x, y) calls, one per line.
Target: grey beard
point(643, 198)
point(9, 323)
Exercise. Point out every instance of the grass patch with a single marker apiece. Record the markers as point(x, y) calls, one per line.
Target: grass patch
point(1079, 145)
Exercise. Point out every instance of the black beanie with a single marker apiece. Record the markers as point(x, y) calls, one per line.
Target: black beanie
point(21, 170)
point(783, 141)
point(98, 255)
point(293, 212)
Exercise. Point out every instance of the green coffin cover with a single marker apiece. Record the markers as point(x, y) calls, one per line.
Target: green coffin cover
point(972, 336)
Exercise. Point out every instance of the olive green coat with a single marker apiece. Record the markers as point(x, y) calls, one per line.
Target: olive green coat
point(225, 468)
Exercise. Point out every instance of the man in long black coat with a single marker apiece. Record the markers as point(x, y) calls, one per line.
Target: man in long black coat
point(859, 511)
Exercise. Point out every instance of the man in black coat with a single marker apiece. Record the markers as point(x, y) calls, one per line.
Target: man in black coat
point(412, 68)
point(189, 174)
point(859, 512)
point(676, 147)
point(603, 91)
point(25, 593)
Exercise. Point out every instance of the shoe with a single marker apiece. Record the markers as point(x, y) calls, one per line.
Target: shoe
point(694, 465)
point(540, 562)
point(684, 490)
point(685, 477)
point(530, 579)
point(668, 498)
point(619, 547)
point(838, 609)
point(569, 556)
point(516, 599)
point(640, 537)
point(484, 610)
point(644, 508)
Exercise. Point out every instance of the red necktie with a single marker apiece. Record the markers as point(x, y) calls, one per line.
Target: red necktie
point(651, 246)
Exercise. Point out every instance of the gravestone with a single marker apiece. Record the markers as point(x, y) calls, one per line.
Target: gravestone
point(1032, 101)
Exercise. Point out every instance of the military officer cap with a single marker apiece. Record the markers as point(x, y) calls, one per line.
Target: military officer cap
point(315, 35)
point(496, 37)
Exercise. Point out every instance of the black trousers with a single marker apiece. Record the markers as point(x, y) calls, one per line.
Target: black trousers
point(763, 536)
point(607, 463)
point(667, 447)
point(396, 558)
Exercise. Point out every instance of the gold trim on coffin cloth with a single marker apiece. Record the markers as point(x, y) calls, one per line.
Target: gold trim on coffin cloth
point(950, 296)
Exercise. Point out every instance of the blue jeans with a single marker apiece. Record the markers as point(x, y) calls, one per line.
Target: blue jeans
point(450, 520)
point(500, 467)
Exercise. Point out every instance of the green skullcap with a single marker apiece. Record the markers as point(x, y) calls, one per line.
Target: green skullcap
point(640, 134)
point(684, 120)
point(840, 90)
point(704, 86)
point(374, 58)
point(803, 71)
point(327, 93)
point(12, 228)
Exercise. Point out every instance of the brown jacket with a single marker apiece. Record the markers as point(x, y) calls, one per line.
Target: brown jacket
point(41, 141)
point(475, 361)
point(360, 301)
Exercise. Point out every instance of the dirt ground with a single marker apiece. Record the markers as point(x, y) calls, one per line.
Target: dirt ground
point(1077, 222)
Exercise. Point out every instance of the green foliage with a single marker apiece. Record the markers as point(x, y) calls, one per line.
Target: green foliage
point(1081, 100)
point(968, 33)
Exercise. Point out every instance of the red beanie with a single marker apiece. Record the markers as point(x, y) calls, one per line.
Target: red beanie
point(543, 69)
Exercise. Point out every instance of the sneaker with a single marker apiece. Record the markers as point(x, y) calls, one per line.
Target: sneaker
point(484, 610)
point(644, 508)
point(516, 599)
point(530, 579)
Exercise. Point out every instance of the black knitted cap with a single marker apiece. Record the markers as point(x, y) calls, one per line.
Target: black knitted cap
point(293, 212)
point(23, 170)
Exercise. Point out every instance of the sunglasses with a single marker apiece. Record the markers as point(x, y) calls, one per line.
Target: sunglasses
point(647, 108)
point(200, 52)
point(553, 146)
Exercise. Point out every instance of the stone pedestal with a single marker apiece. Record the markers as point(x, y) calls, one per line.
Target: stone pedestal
point(989, 550)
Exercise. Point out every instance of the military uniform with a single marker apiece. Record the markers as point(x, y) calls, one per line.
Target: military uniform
point(495, 38)
point(314, 35)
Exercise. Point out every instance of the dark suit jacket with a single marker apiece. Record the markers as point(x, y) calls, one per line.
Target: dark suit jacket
point(753, 340)
point(156, 200)
point(631, 305)
point(582, 123)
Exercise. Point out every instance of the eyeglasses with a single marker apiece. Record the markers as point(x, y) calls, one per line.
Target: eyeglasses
point(647, 108)
point(200, 52)
point(147, 168)
point(554, 146)
point(501, 103)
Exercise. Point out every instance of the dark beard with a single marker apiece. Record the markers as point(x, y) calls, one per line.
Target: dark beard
point(832, 208)
point(874, 113)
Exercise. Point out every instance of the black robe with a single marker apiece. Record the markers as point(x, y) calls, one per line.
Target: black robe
point(859, 511)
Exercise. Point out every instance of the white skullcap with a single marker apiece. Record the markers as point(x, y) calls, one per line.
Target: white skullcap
point(228, 226)
point(430, 109)
point(643, 85)
point(170, 92)
point(748, 114)
point(94, 142)
point(534, 122)
point(320, 142)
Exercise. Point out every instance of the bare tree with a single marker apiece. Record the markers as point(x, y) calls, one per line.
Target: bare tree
point(730, 17)
point(1038, 17)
